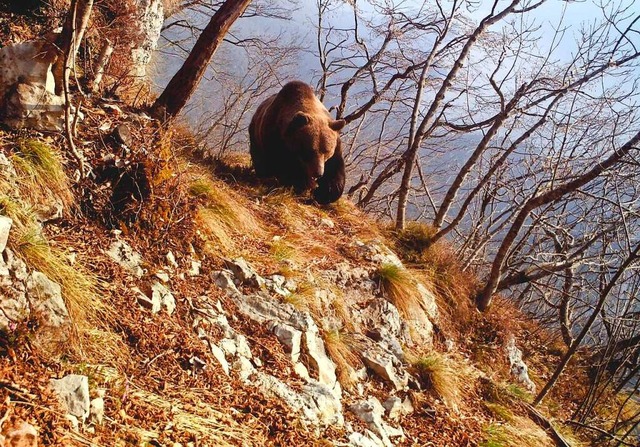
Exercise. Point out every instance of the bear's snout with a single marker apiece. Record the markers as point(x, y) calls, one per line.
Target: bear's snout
point(316, 169)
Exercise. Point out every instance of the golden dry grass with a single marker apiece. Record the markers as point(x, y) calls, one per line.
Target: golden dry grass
point(519, 431)
point(441, 269)
point(40, 177)
point(448, 377)
point(342, 348)
point(224, 217)
point(399, 287)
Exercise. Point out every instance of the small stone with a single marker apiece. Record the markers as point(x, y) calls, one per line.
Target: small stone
point(327, 222)
point(383, 364)
point(31, 105)
point(224, 280)
point(73, 421)
point(122, 135)
point(370, 411)
point(278, 280)
point(195, 268)
point(152, 304)
point(245, 273)
point(164, 296)
point(393, 405)
point(244, 368)
point(197, 363)
point(73, 392)
point(49, 212)
point(301, 371)
point(291, 285)
point(219, 355)
point(162, 276)
point(367, 440)
point(228, 346)
point(126, 257)
point(396, 407)
point(96, 410)
point(171, 259)
point(20, 434)
point(242, 346)
point(320, 362)
point(5, 227)
point(46, 300)
point(291, 339)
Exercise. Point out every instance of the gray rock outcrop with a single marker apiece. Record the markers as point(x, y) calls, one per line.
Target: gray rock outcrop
point(73, 392)
point(126, 257)
point(27, 97)
point(518, 368)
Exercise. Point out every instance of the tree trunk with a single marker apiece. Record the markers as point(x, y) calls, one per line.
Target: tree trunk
point(184, 82)
point(72, 33)
point(101, 65)
point(426, 126)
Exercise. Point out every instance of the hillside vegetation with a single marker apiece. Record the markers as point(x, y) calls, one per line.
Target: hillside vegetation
point(194, 305)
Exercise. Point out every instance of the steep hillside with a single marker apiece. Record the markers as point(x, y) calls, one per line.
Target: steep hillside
point(198, 306)
point(170, 300)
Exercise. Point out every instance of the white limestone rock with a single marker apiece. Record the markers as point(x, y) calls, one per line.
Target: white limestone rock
point(14, 305)
point(5, 227)
point(73, 392)
point(371, 411)
point(291, 338)
point(159, 293)
point(150, 18)
point(19, 434)
point(126, 257)
point(315, 404)
point(386, 366)
point(518, 368)
point(45, 299)
point(33, 106)
point(245, 273)
point(96, 409)
point(396, 407)
point(224, 280)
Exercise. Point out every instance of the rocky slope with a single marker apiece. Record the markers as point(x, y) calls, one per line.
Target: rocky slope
point(214, 310)
point(170, 300)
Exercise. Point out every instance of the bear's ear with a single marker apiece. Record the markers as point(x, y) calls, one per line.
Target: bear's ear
point(337, 125)
point(299, 121)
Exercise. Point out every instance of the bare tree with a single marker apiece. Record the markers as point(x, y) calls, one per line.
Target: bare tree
point(184, 82)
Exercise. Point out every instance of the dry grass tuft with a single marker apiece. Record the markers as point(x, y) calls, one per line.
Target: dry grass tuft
point(399, 288)
point(449, 378)
point(41, 175)
point(222, 216)
point(342, 348)
point(90, 315)
point(304, 298)
point(519, 431)
point(454, 287)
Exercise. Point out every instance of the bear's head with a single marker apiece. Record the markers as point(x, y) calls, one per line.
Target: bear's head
point(313, 139)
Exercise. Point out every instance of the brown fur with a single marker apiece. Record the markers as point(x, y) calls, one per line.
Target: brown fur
point(294, 139)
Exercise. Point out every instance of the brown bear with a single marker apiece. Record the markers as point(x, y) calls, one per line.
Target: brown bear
point(294, 139)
